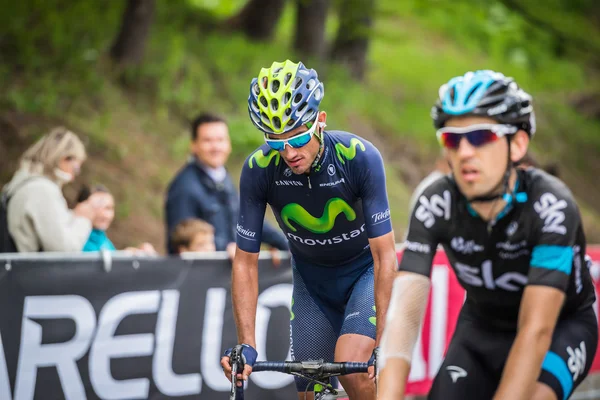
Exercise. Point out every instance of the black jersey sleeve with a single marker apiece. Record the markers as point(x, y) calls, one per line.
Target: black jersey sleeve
point(431, 212)
point(556, 223)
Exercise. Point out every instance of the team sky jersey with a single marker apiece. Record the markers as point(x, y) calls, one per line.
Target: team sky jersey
point(537, 240)
point(328, 215)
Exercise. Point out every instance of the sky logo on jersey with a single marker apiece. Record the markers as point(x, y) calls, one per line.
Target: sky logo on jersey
point(576, 361)
point(484, 277)
point(262, 160)
point(348, 152)
point(435, 206)
point(294, 212)
point(550, 210)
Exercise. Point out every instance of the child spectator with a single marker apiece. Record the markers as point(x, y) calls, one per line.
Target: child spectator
point(105, 204)
point(193, 235)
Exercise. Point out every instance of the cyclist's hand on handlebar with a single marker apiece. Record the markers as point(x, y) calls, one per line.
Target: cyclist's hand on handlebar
point(373, 363)
point(249, 355)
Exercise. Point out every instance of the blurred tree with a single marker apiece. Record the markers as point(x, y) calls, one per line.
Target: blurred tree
point(129, 45)
point(352, 41)
point(258, 19)
point(311, 17)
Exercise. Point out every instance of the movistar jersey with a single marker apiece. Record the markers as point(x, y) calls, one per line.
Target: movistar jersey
point(328, 215)
point(537, 240)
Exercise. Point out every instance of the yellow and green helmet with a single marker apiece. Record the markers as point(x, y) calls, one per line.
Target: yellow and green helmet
point(283, 97)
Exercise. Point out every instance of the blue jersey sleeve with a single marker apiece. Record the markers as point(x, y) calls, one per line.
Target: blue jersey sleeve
point(253, 202)
point(372, 191)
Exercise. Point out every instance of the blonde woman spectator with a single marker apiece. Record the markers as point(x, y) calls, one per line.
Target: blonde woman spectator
point(37, 213)
point(193, 234)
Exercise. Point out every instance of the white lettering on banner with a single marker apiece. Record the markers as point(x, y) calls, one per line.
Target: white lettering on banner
point(165, 379)
point(107, 346)
point(509, 281)
point(275, 296)
point(33, 354)
point(549, 208)
point(212, 332)
point(436, 206)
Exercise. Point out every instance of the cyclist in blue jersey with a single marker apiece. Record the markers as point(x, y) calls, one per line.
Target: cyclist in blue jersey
point(327, 190)
point(514, 237)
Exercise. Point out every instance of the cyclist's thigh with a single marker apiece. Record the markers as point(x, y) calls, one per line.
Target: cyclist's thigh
point(462, 374)
point(571, 353)
point(359, 316)
point(312, 336)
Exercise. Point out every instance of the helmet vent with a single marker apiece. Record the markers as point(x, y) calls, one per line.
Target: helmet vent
point(255, 106)
point(276, 122)
point(286, 78)
point(265, 118)
point(291, 122)
point(318, 94)
point(288, 112)
point(263, 101)
point(274, 104)
point(256, 89)
point(302, 107)
point(311, 84)
point(297, 98)
point(472, 91)
point(297, 83)
point(275, 86)
point(286, 98)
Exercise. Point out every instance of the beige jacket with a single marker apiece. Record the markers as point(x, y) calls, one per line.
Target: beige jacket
point(39, 218)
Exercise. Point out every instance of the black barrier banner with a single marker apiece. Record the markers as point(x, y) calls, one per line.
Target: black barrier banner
point(148, 329)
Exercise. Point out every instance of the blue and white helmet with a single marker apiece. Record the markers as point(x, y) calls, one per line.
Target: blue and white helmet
point(488, 94)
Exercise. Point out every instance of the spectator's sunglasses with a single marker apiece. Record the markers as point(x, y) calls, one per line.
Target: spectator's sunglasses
point(477, 135)
point(294, 142)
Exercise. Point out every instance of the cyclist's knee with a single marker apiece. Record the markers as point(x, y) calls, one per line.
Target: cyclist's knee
point(352, 347)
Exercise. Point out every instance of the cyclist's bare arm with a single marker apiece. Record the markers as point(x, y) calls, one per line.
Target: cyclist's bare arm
point(538, 314)
point(403, 322)
point(244, 292)
point(385, 265)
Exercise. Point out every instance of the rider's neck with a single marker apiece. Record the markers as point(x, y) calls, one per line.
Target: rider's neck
point(489, 210)
point(319, 154)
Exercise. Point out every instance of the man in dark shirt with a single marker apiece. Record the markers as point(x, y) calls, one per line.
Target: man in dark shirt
point(204, 189)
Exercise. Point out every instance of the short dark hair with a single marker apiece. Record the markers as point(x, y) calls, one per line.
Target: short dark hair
point(85, 192)
point(185, 231)
point(205, 118)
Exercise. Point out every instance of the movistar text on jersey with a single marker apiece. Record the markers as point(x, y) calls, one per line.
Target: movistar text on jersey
point(333, 240)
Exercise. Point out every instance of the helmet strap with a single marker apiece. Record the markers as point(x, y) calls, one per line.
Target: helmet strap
point(315, 163)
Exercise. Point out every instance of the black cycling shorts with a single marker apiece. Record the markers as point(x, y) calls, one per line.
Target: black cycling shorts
point(476, 357)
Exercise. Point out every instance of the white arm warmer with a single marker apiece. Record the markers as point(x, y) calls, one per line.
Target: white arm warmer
point(404, 316)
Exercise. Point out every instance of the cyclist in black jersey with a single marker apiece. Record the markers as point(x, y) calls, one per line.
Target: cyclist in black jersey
point(527, 329)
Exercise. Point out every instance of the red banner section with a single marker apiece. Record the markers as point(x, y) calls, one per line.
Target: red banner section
point(445, 301)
